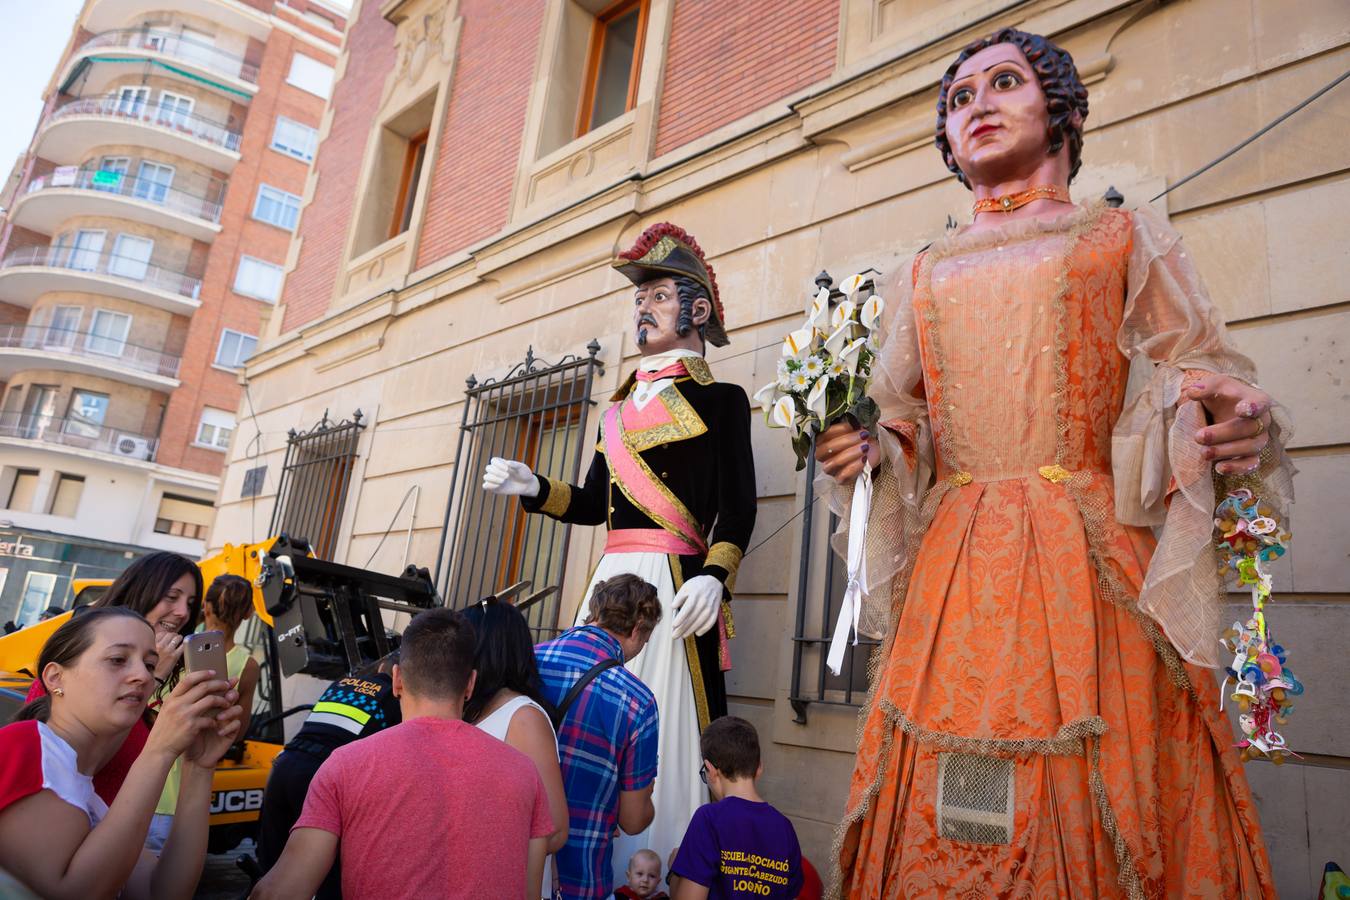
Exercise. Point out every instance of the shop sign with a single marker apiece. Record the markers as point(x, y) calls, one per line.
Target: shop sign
point(16, 548)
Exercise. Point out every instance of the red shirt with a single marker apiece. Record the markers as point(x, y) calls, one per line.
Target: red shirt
point(453, 805)
point(108, 780)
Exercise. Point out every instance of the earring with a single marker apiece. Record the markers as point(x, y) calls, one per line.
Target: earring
point(58, 692)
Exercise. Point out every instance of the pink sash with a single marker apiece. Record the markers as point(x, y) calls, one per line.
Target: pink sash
point(642, 487)
point(649, 493)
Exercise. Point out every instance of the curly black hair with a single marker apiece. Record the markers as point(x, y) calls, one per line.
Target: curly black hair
point(1064, 94)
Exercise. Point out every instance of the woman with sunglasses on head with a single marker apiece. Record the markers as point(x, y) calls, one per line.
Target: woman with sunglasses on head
point(507, 703)
point(56, 834)
point(166, 589)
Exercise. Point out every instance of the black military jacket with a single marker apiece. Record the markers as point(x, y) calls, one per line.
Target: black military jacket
point(705, 459)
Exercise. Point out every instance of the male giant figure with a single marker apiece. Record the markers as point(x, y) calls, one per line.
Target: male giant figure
point(674, 481)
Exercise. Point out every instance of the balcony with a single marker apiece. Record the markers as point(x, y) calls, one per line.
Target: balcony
point(71, 130)
point(99, 61)
point(25, 347)
point(105, 15)
point(27, 274)
point(52, 199)
point(77, 434)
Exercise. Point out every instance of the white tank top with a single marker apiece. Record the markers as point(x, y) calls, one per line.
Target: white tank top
point(496, 724)
point(498, 721)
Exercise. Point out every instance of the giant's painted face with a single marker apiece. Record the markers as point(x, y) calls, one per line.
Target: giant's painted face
point(997, 122)
point(657, 317)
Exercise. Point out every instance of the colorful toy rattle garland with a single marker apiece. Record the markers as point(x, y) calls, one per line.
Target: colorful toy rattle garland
point(1264, 684)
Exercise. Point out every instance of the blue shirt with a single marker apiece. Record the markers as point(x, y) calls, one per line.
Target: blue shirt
point(607, 744)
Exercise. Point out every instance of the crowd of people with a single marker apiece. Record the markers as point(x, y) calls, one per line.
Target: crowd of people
point(470, 763)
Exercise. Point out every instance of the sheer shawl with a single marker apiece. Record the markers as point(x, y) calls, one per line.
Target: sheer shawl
point(1170, 326)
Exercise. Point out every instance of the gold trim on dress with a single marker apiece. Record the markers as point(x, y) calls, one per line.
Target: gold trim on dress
point(558, 500)
point(1055, 474)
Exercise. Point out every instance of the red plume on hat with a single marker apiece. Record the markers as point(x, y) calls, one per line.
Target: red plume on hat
point(664, 250)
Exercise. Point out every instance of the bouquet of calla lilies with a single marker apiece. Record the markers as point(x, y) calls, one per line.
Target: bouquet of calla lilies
point(826, 368)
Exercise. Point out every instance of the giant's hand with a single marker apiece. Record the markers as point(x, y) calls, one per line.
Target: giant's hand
point(509, 478)
point(696, 606)
point(841, 450)
point(1240, 415)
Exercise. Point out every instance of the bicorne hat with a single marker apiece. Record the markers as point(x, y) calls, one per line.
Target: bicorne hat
point(664, 250)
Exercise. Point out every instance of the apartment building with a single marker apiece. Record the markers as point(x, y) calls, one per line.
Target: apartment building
point(144, 237)
point(449, 297)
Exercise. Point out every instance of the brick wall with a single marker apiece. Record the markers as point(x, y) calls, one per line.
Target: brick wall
point(204, 385)
point(726, 60)
point(323, 224)
point(470, 190)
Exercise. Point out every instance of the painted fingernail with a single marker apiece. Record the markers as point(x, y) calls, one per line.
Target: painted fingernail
point(1207, 453)
point(1201, 436)
point(865, 448)
point(863, 434)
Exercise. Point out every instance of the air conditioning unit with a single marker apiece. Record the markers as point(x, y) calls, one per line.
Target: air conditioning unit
point(132, 445)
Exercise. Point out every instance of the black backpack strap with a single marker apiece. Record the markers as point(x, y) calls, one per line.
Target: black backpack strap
point(560, 711)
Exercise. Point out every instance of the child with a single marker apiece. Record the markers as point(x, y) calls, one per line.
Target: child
point(738, 846)
point(227, 605)
point(644, 878)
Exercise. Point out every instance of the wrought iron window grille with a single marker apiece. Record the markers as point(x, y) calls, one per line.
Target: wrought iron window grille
point(314, 482)
point(536, 413)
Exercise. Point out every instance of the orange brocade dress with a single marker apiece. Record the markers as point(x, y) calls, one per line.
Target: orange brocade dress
point(1031, 732)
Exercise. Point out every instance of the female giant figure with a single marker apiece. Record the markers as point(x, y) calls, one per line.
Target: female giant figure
point(1054, 382)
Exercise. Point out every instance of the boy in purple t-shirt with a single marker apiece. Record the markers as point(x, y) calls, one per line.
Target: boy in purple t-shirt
point(738, 846)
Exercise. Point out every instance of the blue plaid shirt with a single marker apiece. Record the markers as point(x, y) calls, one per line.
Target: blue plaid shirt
point(607, 744)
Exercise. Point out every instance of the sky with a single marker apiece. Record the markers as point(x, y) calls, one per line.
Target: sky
point(31, 42)
point(34, 34)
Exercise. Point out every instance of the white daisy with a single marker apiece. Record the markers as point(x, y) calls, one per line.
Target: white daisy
point(813, 366)
point(798, 382)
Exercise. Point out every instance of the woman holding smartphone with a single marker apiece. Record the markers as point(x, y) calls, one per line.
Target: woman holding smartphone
point(165, 588)
point(57, 835)
point(228, 603)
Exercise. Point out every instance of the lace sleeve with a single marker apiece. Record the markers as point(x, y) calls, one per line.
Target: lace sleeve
point(1170, 326)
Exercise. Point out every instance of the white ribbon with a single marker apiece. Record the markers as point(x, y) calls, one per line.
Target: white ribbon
point(851, 608)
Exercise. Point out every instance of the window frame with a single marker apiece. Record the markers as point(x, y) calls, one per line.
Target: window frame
point(220, 346)
point(114, 256)
point(257, 201)
point(61, 479)
point(286, 150)
point(59, 338)
point(177, 118)
point(27, 586)
point(216, 427)
point(290, 75)
point(414, 163)
point(261, 263)
point(595, 53)
point(95, 335)
point(20, 472)
point(72, 425)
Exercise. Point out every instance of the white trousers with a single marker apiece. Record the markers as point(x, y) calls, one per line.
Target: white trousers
point(663, 667)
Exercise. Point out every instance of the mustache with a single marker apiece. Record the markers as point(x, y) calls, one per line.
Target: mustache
point(647, 319)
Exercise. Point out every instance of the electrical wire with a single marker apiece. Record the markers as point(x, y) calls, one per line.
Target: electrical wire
point(390, 529)
point(1205, 168)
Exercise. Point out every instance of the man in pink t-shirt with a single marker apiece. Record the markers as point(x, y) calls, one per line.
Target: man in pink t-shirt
point(432, 807)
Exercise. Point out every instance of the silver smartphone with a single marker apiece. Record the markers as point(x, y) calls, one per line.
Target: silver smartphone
point(206, 650)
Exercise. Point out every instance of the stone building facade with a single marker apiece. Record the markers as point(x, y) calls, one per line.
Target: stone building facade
point(144, 233)
point(481, 162)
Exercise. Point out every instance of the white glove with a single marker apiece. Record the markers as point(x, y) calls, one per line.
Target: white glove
point(509, 478)
point(696, 606)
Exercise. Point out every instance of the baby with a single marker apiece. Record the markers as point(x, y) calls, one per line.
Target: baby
point(644, 878)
